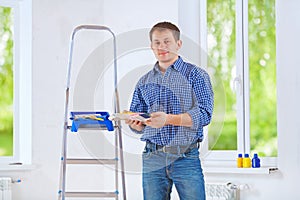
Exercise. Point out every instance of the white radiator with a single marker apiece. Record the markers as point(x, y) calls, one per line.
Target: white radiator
point(5, 188)
point(221, 191)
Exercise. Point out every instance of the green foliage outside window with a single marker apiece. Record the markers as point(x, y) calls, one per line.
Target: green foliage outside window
point(6, 82)
point(221, 33)
point(262, 62)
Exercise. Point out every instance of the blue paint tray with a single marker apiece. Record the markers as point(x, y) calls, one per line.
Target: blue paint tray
point(91, 119)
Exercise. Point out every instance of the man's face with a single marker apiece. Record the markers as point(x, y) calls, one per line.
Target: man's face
point(164, 46)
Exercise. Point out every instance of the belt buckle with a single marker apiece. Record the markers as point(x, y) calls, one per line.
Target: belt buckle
point(168, 149)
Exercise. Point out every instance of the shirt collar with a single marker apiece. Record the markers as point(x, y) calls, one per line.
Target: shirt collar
point(177, 65)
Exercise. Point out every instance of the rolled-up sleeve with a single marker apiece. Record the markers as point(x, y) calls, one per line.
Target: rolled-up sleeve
point(201, 113)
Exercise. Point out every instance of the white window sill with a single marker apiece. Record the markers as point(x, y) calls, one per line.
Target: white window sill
point(215, 166)
point(16, 167)
point(235, 170)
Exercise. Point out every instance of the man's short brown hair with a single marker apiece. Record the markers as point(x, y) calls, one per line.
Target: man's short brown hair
point(161, 26)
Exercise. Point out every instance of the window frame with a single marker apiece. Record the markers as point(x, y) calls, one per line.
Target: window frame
point(241, 83)
point(22, 53)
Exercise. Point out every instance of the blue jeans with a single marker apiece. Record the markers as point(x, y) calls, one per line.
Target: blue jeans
point(162, 170)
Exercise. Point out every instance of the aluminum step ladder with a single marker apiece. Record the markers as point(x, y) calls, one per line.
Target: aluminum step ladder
point(119, 159)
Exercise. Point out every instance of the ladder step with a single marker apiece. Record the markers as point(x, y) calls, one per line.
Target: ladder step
point(92, 161)
point(91, 127)
point(91, 194)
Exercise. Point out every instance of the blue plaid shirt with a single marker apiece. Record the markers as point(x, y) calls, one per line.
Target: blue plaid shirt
point(184, 88)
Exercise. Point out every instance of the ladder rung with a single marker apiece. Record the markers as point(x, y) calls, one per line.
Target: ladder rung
point(91, 194)
point(92, 161)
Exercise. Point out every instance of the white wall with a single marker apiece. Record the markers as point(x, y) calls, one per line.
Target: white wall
point(53, 22)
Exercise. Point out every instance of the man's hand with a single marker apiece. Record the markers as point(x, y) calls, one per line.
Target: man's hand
point(157, 120)
point(137, 125)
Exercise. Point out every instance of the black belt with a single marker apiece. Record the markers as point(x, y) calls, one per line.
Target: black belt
point(172, 149)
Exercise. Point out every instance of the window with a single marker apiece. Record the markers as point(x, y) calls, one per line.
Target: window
point(15, 81)
point(241, 51)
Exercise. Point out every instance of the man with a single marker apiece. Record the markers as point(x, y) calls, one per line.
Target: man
point(179, 98)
